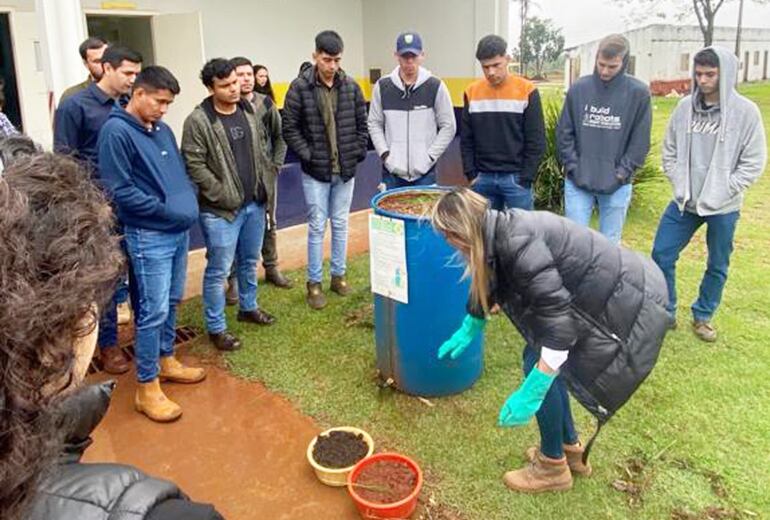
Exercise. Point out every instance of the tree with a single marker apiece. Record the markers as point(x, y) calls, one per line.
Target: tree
point(705, 12)
point(523, 16)
point(542, 43)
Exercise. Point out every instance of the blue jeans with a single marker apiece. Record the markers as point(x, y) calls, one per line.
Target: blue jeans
point(394, 181)
point(108, 323)
point(674, 233)
point(224, 240)
point(579, 205)
point(504, 190)
point(327, 200)
point(159, 269)
point(554, 417)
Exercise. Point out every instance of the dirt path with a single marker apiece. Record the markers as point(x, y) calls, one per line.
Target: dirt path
point(237, 446)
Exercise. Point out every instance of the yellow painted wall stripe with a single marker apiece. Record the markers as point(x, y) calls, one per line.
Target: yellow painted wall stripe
point(456, 88)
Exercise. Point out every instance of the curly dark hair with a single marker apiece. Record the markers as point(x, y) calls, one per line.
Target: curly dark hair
point(59, 256)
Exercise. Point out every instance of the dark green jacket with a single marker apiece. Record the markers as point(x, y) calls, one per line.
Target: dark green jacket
point(211, 163)
point(275, 147)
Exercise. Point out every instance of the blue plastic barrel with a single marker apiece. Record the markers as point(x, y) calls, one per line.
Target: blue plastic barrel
point(408, 335)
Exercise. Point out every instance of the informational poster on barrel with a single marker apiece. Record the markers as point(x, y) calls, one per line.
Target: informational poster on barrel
point(387, 258)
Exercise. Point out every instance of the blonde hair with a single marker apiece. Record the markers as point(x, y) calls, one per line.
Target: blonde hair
point(459, 216)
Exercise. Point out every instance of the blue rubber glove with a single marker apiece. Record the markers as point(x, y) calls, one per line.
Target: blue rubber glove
point(460, 340)
point(521, 405)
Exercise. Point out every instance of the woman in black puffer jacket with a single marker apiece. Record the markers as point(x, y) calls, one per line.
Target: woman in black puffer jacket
point(592, 314)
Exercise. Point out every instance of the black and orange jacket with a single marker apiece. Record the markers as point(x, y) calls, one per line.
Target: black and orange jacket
point(502, 129)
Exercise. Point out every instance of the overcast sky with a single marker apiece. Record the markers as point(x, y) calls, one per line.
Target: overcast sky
point(586, 20)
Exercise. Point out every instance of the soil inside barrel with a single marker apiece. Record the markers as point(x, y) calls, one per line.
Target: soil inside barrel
point(385, 482)
point(417, 204)
point(339, 449)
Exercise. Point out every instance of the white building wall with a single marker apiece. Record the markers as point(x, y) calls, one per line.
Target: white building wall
point(662, 51)
point(276, 33)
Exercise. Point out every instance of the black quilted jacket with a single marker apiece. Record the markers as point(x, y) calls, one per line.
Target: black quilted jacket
point(565, 286)
point(305, 133)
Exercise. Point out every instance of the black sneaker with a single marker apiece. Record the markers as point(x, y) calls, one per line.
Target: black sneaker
point(225, 341)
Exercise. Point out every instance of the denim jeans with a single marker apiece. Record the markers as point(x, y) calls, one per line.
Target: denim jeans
point(327, 200)
point(554, 417)
point(394, 181)
point(224, 241)
point(159, 269)
point(108, 323)
point(579, 205)
point(675, 230)
point(504, 190)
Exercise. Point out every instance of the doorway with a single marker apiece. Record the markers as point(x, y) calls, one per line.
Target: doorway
point(764, 68)
point(9, 92)
point(134, 32)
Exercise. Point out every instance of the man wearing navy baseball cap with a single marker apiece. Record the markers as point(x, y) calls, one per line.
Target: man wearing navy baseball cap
point(411, 119)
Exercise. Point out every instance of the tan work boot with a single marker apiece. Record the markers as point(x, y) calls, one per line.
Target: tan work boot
point(542, 474)
point(152, 402)
point(705, 331)
point(340, 285)
point(315, 296)
point(574, 454)
point(174, 371)
point(124, 313)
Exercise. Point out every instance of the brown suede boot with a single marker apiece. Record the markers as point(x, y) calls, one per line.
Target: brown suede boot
point(340, 286)
point(152, 402)
point(542, 474)
point(574, 454)
point(114, 361)
point(315, 296)
point(174, 371)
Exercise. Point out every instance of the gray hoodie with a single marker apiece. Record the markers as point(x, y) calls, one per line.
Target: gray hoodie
point(739, 153)
point(415, 124)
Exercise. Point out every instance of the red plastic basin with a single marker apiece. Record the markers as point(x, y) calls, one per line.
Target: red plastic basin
point(376, 511)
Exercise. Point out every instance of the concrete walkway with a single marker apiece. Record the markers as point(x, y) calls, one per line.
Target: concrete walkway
point(237, 446)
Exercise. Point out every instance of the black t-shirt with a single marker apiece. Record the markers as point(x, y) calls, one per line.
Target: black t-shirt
point(239, 135)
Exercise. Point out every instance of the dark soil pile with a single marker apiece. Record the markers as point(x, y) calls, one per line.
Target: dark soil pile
point(385, 482)
point(417, 204)
point(339, 449)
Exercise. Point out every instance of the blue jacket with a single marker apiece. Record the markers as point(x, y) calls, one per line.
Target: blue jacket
point(78, 121)
point(144, 173)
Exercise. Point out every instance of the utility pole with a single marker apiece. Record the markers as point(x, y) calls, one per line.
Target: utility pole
point(738, 33)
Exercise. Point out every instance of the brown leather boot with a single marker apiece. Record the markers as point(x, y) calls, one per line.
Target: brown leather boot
point(114, 361)
point(174, 371)
point(574, 454)
point(277, 278)
point(542, 474)
point(315, 296)
point(152, 402)
point(231, 294)
point(340, 285)
point(705, 331)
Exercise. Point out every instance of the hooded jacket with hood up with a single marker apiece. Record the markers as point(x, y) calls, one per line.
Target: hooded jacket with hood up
point(603, 134)
point(413, 124)
point(738, 157)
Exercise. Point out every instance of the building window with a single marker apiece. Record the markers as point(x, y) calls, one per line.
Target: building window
point(631, 68)
point(684, 65)
point(756, 57)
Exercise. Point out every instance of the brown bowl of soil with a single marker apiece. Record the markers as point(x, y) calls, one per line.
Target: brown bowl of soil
point(334, 452)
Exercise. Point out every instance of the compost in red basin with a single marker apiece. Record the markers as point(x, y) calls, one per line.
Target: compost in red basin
point(418, 204)
point(385, 482)
point(339, 449)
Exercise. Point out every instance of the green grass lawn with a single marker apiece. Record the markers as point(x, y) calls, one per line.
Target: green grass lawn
point(693, 442)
